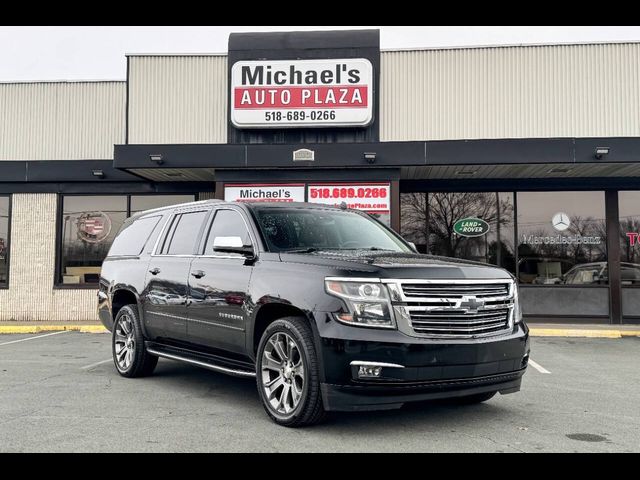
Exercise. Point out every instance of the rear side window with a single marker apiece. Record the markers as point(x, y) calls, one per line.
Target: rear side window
point(183, 234)
point(133, 237)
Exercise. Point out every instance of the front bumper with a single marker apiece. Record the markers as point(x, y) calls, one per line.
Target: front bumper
point(390, 396)
point(424, 368)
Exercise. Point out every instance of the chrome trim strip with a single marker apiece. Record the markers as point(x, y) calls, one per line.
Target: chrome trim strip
point(453, 310)
point(358, 363)
point(210, 366)
point(186, 319)
point(445, 281)
point(353, 279)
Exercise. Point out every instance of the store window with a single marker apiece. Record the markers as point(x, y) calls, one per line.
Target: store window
point(88, 225)
point(140, 203)
point(562, 238)
point(629, 207)
point(4, 242)
point(468, 225)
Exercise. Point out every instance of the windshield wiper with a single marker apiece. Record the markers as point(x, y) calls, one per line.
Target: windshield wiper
point(301, 250)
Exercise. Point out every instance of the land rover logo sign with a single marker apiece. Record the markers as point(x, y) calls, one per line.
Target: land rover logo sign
point(93, 227)
point(471, 227)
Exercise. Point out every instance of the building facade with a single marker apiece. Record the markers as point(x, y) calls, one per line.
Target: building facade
point(526, 157)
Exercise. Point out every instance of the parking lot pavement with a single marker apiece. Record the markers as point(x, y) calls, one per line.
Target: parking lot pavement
point(59, 393)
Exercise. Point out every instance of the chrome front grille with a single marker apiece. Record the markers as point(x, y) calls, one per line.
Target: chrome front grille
point(460, 309)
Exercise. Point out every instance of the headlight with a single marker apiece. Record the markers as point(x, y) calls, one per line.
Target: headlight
point(367, 303)
point(517, 309)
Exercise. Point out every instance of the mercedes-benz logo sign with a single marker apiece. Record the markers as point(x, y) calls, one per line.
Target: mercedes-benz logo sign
point(561, 221)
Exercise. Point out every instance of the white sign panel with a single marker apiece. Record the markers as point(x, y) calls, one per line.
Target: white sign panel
point(264, 192)
point(302, 93)
point(370, 197)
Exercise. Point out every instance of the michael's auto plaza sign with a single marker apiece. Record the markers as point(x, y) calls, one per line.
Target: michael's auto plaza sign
point(302, 93)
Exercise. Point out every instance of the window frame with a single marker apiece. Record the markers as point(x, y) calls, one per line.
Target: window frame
point(6, 285)
point(57, 281)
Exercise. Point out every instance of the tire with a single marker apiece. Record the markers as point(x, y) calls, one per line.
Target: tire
point(273, 372)
point(471, 399)
point(127, 335)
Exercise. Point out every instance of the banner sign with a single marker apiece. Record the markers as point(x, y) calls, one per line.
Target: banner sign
point(260, 192)
point(370, 197)
point(302, 93)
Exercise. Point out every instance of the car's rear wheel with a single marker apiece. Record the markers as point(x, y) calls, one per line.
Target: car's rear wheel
point(287, 373)
point(127, 344)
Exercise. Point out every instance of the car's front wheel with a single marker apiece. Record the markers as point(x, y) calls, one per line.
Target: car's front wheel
point(127, 344)
point(287, 373)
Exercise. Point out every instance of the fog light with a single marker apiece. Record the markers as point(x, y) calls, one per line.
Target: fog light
point(369, 372)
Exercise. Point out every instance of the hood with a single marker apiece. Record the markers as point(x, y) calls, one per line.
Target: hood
point(398, 265)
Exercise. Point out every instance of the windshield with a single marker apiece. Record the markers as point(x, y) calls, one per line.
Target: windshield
point(297, 229)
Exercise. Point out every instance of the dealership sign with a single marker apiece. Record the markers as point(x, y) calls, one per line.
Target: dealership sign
point(264, 193)
point(302, 93)
point(471, 227)
point(370, 197)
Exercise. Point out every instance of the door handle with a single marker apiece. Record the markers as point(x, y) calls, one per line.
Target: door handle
point(198, 273)
point(154, 271)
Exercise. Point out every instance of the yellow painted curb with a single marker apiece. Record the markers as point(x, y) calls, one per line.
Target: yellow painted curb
point(585, 333)
point(5, 329)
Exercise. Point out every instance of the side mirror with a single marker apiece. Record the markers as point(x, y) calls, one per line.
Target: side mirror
point(413, 245)
point(231, 245)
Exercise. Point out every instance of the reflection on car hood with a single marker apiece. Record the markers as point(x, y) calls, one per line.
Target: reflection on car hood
point(399, 263)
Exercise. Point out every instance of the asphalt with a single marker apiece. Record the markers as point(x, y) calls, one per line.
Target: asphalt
point(51, 402)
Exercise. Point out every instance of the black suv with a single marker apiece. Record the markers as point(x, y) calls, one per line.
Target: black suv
point(328, 308)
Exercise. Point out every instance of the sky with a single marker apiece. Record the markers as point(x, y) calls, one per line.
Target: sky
point(97, 53)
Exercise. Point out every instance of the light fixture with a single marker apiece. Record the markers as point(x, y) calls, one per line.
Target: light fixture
point(157, 158)
point(97, 173)
point(370, 157)
point(466, 172)
point(601, 152)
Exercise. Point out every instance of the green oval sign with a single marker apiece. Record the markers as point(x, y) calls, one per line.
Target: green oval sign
point(471, 227)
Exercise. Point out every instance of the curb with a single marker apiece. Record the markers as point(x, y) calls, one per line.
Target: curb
point(534, 332)
point(584, 333)
point(6, 329)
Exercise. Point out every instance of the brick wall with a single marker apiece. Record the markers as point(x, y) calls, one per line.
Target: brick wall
point(31, 296)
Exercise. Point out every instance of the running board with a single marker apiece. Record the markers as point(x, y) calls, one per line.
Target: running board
point(203, 364)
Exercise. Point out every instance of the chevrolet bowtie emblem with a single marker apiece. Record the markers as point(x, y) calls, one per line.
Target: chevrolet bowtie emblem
point(470, 304)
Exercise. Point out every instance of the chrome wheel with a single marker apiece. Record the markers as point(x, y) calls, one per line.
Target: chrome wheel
point(124, 342)
point(282, 373)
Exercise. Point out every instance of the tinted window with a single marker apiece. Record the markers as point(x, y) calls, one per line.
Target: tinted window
point(132, 238)
point(227, 223)
point(560, 231)
point(295, 229)
point(88, 226)
point(183, 236)
point(429, 220)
